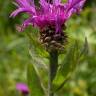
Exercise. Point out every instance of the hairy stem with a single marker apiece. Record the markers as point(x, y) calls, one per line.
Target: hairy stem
point(53, 66)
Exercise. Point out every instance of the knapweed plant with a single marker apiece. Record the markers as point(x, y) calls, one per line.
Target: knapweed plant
point(50, 16)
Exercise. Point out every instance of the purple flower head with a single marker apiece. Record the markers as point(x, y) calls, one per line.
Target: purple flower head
point(53, 14)
point(23, 88)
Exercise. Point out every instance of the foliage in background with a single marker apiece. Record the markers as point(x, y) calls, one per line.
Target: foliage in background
point(14, 55)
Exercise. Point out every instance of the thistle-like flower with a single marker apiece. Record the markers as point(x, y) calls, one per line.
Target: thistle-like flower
point(23, 88)
point(49, 17)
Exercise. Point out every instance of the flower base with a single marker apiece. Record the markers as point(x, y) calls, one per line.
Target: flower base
point(52, 40)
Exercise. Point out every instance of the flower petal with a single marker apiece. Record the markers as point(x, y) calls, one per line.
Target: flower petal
point(73, 6)
point(44, 5)
point(74, 3)
point(20, 10)
point(56, 2)
point(26, 23)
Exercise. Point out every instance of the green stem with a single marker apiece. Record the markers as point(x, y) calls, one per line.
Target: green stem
point(53, 66)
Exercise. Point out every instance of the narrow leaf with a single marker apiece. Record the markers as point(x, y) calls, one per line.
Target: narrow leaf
point(70, 60)
point(84, 50)
point(68, 65)
point(34, 82)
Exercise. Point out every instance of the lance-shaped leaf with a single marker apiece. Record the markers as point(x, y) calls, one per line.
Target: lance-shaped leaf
point(40, 62)
point(68, 65)
point(84, 50)
point(38, 59)
point(41, 67)
point(34, 81)
point(71, 59)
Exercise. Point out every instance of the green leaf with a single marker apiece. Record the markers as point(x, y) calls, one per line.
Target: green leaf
point(41, 67)
point(39, 59)
point(68, 65)
point(34, 81)
point(71, 59)
point(84, 50)
point(73, 56)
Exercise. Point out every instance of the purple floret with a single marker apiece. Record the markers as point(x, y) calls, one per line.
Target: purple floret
point(23, 88)
point(47, 14)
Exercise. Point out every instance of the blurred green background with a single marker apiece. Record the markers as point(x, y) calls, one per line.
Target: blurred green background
point(14, 55)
